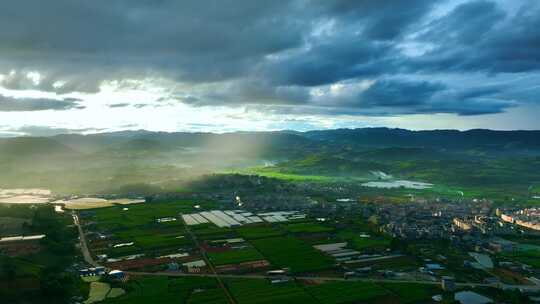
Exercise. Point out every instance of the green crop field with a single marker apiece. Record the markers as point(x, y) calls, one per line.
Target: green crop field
point(21, 277)
point(156, 241)
point(212, 232)
point(270, 172)
point(290, 252)
point(346, 292)
point(122, 251)
point(363, 243)
point(10, 226)
point(258, 232)
point(529, 257)
point(209, 296)
point(142, 214)
point(307, 227)
point(98, 292)
point(404, 263)
point(168, 290)
point(139, 224)
point(153, 236)
point(409, 293)
point(263, 292)
point(235, 256)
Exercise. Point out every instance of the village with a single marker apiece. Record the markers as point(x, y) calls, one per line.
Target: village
point(446, 248)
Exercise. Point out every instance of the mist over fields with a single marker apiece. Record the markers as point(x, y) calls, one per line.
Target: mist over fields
point(142, 161)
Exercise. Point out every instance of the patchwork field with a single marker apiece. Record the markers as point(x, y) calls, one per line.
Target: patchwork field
point(209, 296)
point(235, 256)
point(529, 257)
point(12, 225)
point(157, 241)
point(307, 227)
point(258, 232)
point(263, 292)
point(142, 225)
point(290, 252)
point(409, 293)
point(169, 290)
point(141, 214)
point(346, 292)
point(212, 232)
point(363, 243)
point(98, 292)
point(404, 263)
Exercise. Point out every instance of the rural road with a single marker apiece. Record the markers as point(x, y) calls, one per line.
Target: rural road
point(248, 276)
point(393, 256)
point(207, 261)
point(82, 238)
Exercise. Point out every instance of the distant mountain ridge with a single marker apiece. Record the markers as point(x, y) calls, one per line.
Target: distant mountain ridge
point(33, 147)
point(278, 141)
point(94, 163)
point(432, 138)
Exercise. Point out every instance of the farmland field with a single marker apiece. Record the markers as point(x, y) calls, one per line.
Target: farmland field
point(270, 172)
point(150, 243)
point(409, 293)
point(141, 214)
point(209, 296)
point(115, 292)
point(138, 223)
point(27, 270)
point(346, 292)
point(403, 263)
point(156, 241)
point(258, 232)
point(263, 292)
point(307, 227)
point(210, 231)
point(235, 256)
point(529, 257)
point(290, 252)
point(145, 290)
point(12, 225)
point(98, 292)
point(363, 243)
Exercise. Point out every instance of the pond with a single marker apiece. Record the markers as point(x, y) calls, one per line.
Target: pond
point(398, 184)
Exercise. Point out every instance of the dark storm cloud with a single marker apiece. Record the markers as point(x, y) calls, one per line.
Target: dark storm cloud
point(409, 97)
point(188, 40)
point(11, 104)
point(382, 98)
point(479, 92)
point(379, 20)
point(466, 24)
point(332, 59)
point(275, 53)
point(400, 93)
point(480, 36)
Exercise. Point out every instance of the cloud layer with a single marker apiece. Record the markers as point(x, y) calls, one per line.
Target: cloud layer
point(305, 57)
point(11, 104)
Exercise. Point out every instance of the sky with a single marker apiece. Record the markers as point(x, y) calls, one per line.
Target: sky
point(75, 66)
